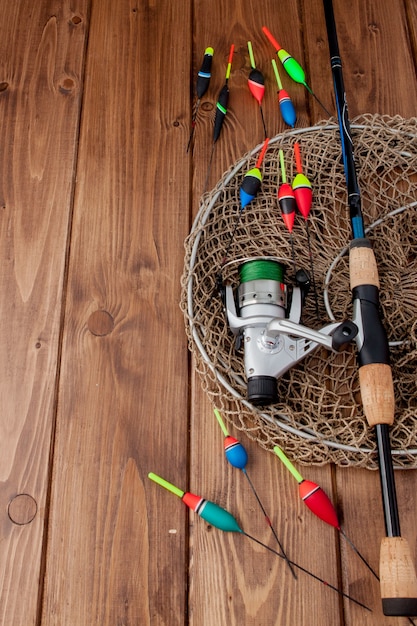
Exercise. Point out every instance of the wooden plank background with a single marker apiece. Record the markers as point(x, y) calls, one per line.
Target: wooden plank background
point(97, 389)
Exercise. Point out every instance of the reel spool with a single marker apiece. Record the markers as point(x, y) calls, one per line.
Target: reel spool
point(261, 292)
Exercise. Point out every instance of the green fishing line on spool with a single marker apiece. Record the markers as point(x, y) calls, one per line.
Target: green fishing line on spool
point(261, 269)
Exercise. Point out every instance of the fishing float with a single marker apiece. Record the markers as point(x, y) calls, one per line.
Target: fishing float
point(398, 580)
point(248, 191)
point(256, 84)
point(237, 456)
point(287, 204)
point(318, 502)
point(202, 84)
point(285, 103)
point(209, 511)
point(220, 518)
point(292, 67)
point(304, 198)
point(221, 111)
point(252, 180)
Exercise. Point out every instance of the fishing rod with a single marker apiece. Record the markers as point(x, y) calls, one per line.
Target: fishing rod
point(237, 456)
point(222, 519)
point(398, 581)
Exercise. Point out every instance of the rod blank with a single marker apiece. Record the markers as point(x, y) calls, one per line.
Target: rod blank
point(397, 574)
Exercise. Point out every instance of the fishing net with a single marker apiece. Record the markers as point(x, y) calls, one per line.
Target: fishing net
point(318, 417)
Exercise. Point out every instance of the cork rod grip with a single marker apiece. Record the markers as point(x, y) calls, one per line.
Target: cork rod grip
point(375, 376)
point(398, 578)
point(377, 391)
point(362, 265)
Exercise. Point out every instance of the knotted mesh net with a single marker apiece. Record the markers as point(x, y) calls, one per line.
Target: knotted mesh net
point(318, 417)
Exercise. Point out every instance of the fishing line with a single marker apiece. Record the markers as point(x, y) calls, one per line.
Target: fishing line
point(223, 520)
point(237, 457)
point(302, 569)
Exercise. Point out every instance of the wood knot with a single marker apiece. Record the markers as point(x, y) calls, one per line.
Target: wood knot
point(373, 28)
point(67, 85)
point(4, 86)
point(22, 509)
point(358, 74)
point(100, 323)
point(207, 106)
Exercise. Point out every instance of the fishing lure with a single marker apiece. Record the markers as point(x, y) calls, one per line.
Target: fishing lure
point(287, 203)
point(248, 191)
point(318, 502)
point(304, 198)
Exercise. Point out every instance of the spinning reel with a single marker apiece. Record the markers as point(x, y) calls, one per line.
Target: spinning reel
point(264, 315)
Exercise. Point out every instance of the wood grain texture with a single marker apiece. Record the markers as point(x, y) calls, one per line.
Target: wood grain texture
point(117, 545)
point(42, 55)
point(378, 64)
point(97, 389)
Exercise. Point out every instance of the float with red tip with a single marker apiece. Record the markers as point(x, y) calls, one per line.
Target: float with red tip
point(256, 84)
point(304, 199)
point(292, 67)
point(318, 502)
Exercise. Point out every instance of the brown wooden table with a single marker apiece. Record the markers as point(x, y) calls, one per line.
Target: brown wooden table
point(97, 387)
